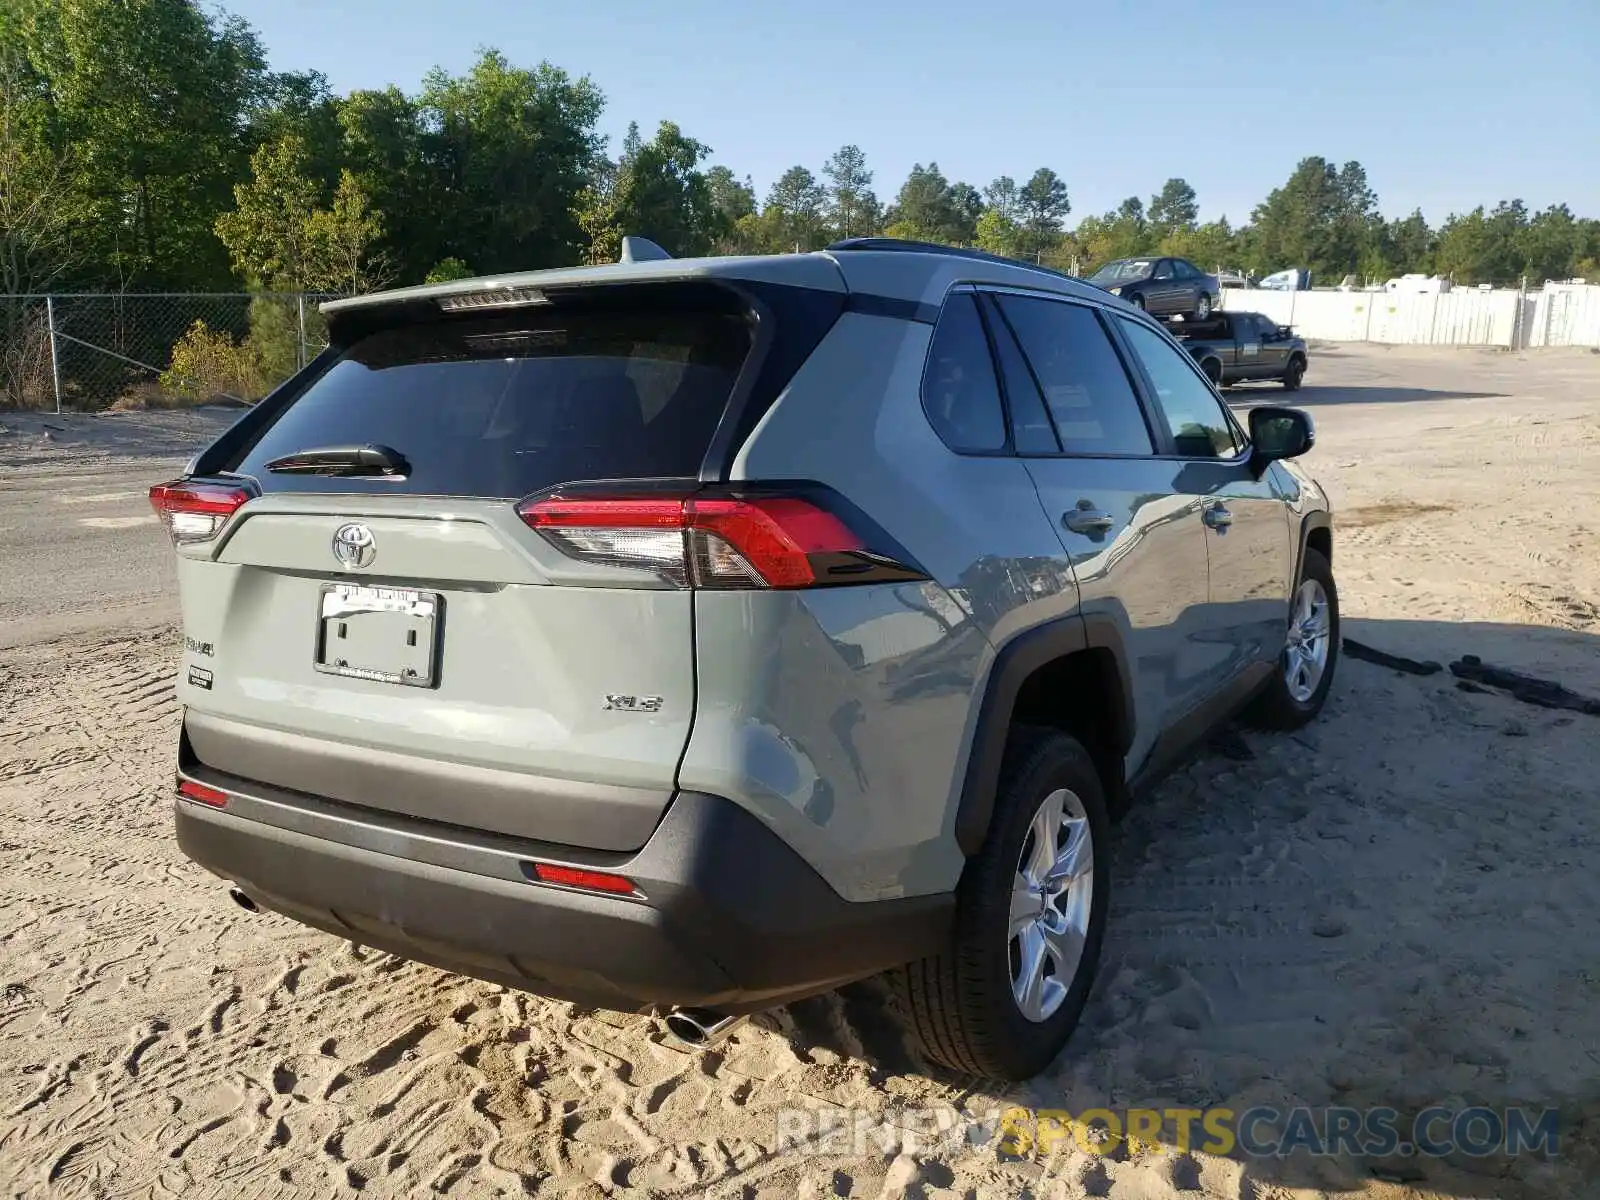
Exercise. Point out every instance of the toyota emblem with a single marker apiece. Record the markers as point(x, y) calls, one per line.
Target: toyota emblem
point(353, 546)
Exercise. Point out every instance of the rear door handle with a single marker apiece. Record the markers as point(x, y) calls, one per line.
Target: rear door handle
point(1086, 518)
point(1218, 517)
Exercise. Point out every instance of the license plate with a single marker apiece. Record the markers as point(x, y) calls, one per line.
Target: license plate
point(388, 635)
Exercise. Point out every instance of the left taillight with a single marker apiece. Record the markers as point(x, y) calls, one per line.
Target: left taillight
point(708, 540)
point(196, 512)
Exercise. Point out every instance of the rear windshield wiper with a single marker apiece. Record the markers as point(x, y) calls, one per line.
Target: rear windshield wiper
point(344, 461)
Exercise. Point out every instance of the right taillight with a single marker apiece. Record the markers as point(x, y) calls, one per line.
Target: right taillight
point(710, 541)
point(196, 512)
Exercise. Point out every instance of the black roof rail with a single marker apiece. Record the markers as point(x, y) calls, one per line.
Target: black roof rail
point(915, 247)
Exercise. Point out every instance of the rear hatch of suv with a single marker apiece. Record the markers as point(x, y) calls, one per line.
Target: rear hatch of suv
point(392, 598)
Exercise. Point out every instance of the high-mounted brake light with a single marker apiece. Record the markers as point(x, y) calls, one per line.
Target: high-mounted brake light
point(713, 541)
point(492, 297)
point(196, 512)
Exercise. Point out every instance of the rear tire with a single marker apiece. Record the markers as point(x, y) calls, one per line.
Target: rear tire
point(1294, 373)
point(1289, 702)
point(966, 1004)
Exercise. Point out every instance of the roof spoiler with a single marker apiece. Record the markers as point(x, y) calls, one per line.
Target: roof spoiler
point(638, 249)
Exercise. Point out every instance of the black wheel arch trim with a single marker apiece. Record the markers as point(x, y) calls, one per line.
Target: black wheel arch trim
point(1014, 663)
point(1317, 518)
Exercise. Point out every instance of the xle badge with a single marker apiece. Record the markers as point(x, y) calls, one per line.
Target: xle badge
point(200, 678)
point(645, 704)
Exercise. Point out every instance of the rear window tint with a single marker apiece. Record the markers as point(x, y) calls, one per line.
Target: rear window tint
point(513, 405)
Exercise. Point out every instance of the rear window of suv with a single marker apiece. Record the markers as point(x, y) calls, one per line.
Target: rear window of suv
point(510, 405)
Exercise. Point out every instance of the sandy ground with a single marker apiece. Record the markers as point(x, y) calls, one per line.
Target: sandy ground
point(1398, 906)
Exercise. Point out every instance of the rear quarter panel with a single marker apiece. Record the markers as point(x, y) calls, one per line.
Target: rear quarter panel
point(843, 717)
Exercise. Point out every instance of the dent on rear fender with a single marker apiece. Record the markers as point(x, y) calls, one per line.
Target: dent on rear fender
point(838, 717)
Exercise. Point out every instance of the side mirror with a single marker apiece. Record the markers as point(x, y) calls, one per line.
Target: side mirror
point(1280, 433)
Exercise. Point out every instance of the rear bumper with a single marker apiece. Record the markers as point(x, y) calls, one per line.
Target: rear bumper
point(729, 916)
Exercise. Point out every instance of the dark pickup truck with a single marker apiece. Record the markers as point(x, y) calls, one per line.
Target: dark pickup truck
point(1235, 347)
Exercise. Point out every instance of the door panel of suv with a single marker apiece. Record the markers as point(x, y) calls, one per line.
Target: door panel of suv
point(1245, 518)
point(1133, 538)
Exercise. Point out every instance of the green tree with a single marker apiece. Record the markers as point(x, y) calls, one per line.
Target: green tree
point(1550, 245)
point(39, 209)
point(269, 232)
point(344, 241)
point(656, 191)
point(154, 97)
point(1323, 219)
point(1043, 201)
point(1208, 246)
point(930, 208)
point(733, 199)
point(513, 148)
point(966, 202)
point(300, 104)
point(1003, 198)
point(795, 213)
point(384, 142)
point(1174, 208)
point(999, 234)
point(853, 209)
point(448, 271)
point(1483, 247)
point(1407, 247)
point(1121, 233)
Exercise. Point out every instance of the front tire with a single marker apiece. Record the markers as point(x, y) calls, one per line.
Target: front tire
point(1294, 373)
point(1202, 307)
point(1299, 686)
point(1137, 301)
point(1005, 995)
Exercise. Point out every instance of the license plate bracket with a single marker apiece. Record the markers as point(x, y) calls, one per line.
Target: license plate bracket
point(382, 634)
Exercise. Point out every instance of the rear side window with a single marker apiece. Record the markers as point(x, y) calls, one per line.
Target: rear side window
point(959, 392)
point(508, 406)
point(1085, 387)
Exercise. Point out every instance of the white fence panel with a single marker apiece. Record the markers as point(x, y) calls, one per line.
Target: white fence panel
point(1277, 305)
point(1565, 315)
point(1457, 318)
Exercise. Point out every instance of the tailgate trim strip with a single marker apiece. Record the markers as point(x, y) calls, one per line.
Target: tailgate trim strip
point(605, 817)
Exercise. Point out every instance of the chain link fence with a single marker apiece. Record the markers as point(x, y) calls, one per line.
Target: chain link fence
point(92, 352)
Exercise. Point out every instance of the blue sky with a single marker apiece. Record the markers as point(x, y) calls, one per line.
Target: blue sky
point(1447, 104)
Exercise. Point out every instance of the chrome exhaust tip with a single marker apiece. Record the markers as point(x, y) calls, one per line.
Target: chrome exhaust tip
point(699, 1028)
point(237, 895)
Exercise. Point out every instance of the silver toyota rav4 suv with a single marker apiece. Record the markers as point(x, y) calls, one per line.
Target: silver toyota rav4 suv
point(694, 636)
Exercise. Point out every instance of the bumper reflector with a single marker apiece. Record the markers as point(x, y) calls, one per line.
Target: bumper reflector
point(583, 880)
point(199, 792)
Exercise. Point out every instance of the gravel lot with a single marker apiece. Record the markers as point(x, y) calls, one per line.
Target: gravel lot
point(1398, 906)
